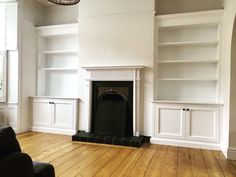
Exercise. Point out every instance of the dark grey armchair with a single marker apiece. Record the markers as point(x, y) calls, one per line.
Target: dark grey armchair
point(14, 163)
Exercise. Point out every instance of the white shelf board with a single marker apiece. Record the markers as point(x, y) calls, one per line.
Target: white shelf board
point(188, 61)
point(187, 79)
point(189, 43)
point(60, 52)
point(55, 97)
point(57, 69)
point(188, 26)
point(57, 30)
point(188, 102)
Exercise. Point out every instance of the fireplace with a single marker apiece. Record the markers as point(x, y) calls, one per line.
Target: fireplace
point(112, 108)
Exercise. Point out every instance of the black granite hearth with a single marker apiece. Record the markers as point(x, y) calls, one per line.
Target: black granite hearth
point(123, 141)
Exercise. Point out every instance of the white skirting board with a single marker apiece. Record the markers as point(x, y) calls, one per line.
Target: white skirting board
point(53, 130)
point(188, 144)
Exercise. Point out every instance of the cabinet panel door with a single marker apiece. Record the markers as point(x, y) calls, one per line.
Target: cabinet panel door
point(63, 114)
point(2, 117)
point(202, 124)
point(11, 116)
point(170, 122)
point(42, 113)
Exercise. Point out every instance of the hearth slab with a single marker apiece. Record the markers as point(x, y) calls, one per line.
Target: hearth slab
point(121, 141)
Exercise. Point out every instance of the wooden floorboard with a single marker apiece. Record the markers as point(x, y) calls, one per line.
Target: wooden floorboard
point(72, 159)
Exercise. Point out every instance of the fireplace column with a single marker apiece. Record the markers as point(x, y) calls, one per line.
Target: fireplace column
point(115, 73)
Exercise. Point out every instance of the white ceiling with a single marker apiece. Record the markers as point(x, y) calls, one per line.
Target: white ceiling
point(44, 2)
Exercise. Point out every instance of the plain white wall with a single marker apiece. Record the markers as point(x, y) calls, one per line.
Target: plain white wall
point(28, 73)
point(180, 6)
point(61, 14)
point(30, 14)
point(232, 135)
point(34, 12)
point(117, 33)
point(227, 89)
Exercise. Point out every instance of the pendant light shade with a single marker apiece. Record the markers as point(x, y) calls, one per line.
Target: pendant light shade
point(64, 2)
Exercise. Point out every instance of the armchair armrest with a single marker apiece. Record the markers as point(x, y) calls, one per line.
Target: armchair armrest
point(16, 165)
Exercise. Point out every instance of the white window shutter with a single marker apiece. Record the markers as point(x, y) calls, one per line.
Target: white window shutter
point(11, 26)
point(2, 27)
point(2, 76)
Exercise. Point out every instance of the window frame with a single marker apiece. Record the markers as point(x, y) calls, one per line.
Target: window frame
point(3, 98)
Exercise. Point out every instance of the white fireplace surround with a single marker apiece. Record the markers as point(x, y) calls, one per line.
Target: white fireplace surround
point(116, 73)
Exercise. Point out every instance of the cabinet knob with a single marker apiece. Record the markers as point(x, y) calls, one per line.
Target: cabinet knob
point(187, 109)
point(183, 109)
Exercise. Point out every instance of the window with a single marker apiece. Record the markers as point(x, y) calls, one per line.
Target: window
point(8, 40)
point(2, 76)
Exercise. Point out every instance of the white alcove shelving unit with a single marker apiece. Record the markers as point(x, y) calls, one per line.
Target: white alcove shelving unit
point(55, 106)
point(58, 60)
point(187, 80)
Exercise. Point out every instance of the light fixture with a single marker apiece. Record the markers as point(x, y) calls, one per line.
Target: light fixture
point(64, 2)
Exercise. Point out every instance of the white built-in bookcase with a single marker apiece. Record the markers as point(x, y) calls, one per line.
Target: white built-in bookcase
point(58, 60)
point(188, 57)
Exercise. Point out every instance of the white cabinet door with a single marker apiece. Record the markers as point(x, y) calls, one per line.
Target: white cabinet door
point(2, 117)
point(42, 113)
point(169, 122)
point(63, 114)
point(11, 116)
point(202, 124)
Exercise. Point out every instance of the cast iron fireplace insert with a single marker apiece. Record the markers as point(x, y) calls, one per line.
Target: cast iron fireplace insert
point(112, 115)
point(112, 108)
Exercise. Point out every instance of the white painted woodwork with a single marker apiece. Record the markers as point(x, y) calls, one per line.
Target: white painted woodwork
point(116, 73)
point(11, 116)
point(187, 125)
point(170, 122)
point(12, 76)
point(187, 56)
point(58, 60)
point(55, 115)
point(8, 116)
point(186, 19)
point(63, 114)
point(42, 113)
point(203, 124)
point(2, 117)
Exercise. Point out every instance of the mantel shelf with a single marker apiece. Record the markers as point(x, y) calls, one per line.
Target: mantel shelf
point(189, 43)
point(60, 52)
point(187, 61)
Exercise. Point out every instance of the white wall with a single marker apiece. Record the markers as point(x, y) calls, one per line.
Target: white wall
point(232, 135)
point(27, 73)
point(227, 89)
point(34, 12)
point(180, 6)
point(30, 14)
point(61, 14)
point(118, 33)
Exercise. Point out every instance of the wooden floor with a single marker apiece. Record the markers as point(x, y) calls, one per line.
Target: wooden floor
point(84, 160)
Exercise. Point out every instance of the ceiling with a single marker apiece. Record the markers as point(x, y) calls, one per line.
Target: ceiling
point(44, 3)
